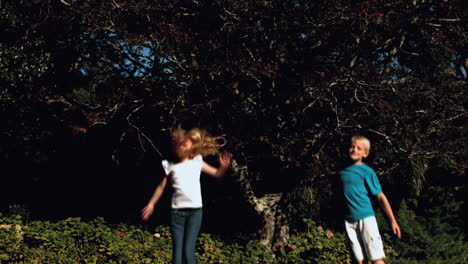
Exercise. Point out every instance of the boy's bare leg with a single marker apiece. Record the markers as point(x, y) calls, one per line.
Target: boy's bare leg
point(380, 261)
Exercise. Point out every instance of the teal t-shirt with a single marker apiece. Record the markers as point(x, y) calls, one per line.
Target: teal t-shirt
point(359, 182)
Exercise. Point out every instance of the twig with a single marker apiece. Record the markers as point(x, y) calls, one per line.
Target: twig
point(140, 133)
point(114, 109)
point(449, 19)
point(115, 3)
point(65, 3)
point(357, 99)
point(141, 143)
point(387, 138)
point(87, 105)
point(97, 123)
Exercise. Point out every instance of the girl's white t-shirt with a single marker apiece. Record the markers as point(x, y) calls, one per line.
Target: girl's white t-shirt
point(185, 180)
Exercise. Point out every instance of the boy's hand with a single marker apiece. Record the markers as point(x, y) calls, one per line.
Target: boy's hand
point(396, 229)
point(388, 210)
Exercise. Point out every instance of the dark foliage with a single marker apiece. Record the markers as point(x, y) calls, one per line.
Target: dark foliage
point(89, 90)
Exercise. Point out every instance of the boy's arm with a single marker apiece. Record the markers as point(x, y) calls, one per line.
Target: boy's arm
point(388, 210)
point(147, 211)
point(224, 161)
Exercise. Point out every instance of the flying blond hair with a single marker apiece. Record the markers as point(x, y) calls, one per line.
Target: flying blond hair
point(203, 143)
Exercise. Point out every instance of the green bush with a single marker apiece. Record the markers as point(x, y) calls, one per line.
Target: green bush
point(75, 241)
point(431, 239)
point(317, 245)
point(213, 250)
point(314, 246)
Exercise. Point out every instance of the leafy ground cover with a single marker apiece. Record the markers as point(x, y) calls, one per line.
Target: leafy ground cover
point(76, 241)
point(73, 240)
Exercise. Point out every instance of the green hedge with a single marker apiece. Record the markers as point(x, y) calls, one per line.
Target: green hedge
point(75, 241)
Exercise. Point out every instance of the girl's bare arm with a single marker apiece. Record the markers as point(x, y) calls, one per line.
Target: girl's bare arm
point(224, 161)
point(147, 211)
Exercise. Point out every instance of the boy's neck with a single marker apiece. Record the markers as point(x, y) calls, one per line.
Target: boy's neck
point(358, 162)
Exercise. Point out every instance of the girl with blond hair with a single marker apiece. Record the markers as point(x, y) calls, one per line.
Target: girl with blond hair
point(184, 176)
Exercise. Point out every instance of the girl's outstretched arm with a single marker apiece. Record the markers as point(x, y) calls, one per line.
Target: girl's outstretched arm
point(147, 211)
point(388, 210)
point(224, 162)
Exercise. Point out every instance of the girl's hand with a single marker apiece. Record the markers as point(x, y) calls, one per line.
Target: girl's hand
point(225, 159)
point(147, 212)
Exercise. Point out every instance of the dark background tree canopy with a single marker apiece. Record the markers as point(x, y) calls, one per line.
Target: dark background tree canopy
point(89, 88)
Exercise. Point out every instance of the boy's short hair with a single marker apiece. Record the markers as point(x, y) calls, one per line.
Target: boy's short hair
point(362, 139)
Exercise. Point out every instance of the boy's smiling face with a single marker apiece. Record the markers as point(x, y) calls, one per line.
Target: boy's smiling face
point(358, 151)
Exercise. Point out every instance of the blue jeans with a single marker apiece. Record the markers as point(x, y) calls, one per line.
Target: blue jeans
point(185, 226)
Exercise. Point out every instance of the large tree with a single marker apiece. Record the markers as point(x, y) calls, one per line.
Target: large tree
point(288, 82)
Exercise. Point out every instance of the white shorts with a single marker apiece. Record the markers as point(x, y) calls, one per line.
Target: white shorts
point(365, 239)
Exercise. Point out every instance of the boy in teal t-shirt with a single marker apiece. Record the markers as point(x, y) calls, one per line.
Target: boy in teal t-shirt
point(359, 182)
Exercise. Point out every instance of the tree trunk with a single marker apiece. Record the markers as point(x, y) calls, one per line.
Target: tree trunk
point(275, 226)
